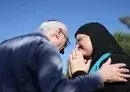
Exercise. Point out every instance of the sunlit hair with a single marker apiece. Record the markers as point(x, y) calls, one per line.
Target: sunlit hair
point(50, 26)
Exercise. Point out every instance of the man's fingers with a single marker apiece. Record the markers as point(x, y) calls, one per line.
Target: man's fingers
point(124, 75)
point(108, 62)
point(124, 70)
point(119, 65)
point(122, 80)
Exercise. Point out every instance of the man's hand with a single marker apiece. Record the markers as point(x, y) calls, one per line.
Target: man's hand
point(77, 62)
point(114, 72)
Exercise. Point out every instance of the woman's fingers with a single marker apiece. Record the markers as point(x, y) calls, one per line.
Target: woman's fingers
point(70, 57)
point(77, 62)
point(76, 52)
point(70, 72)
point(80, 53)
point(88, 63)
point(73, 54)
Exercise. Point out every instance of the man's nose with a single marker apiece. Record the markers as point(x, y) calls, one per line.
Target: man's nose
point(62, 51)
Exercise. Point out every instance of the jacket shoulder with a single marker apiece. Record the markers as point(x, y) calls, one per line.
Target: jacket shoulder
point(21, 41)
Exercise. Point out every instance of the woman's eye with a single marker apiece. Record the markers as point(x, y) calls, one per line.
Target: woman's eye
point(78, 40)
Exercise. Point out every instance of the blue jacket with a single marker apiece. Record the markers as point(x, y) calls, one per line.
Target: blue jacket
point(30, 63)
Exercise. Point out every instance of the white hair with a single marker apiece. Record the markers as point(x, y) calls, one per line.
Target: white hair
point(51, 26)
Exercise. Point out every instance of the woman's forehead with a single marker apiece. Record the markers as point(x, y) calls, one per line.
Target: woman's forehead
point(80, 35)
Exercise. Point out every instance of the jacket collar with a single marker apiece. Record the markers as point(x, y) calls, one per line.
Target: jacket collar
point(40, 34)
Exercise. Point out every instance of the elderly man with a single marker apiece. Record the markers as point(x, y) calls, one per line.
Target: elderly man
point(32, 63)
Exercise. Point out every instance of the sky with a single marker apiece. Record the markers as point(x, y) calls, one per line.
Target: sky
point(19, 17)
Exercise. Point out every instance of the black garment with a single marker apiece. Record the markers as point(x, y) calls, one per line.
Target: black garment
point(103, 42)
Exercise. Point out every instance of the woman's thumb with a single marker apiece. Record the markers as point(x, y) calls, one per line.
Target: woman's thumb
point(88, 63)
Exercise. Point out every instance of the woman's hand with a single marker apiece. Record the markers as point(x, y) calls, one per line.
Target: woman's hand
point(77, 62)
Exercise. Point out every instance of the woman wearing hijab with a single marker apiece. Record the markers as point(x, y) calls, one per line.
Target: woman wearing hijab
point(96, 43)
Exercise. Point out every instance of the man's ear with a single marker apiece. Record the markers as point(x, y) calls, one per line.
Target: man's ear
point(58, 33)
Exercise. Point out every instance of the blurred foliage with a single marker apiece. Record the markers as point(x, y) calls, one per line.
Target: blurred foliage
point(67, 72)
point(124, 40)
